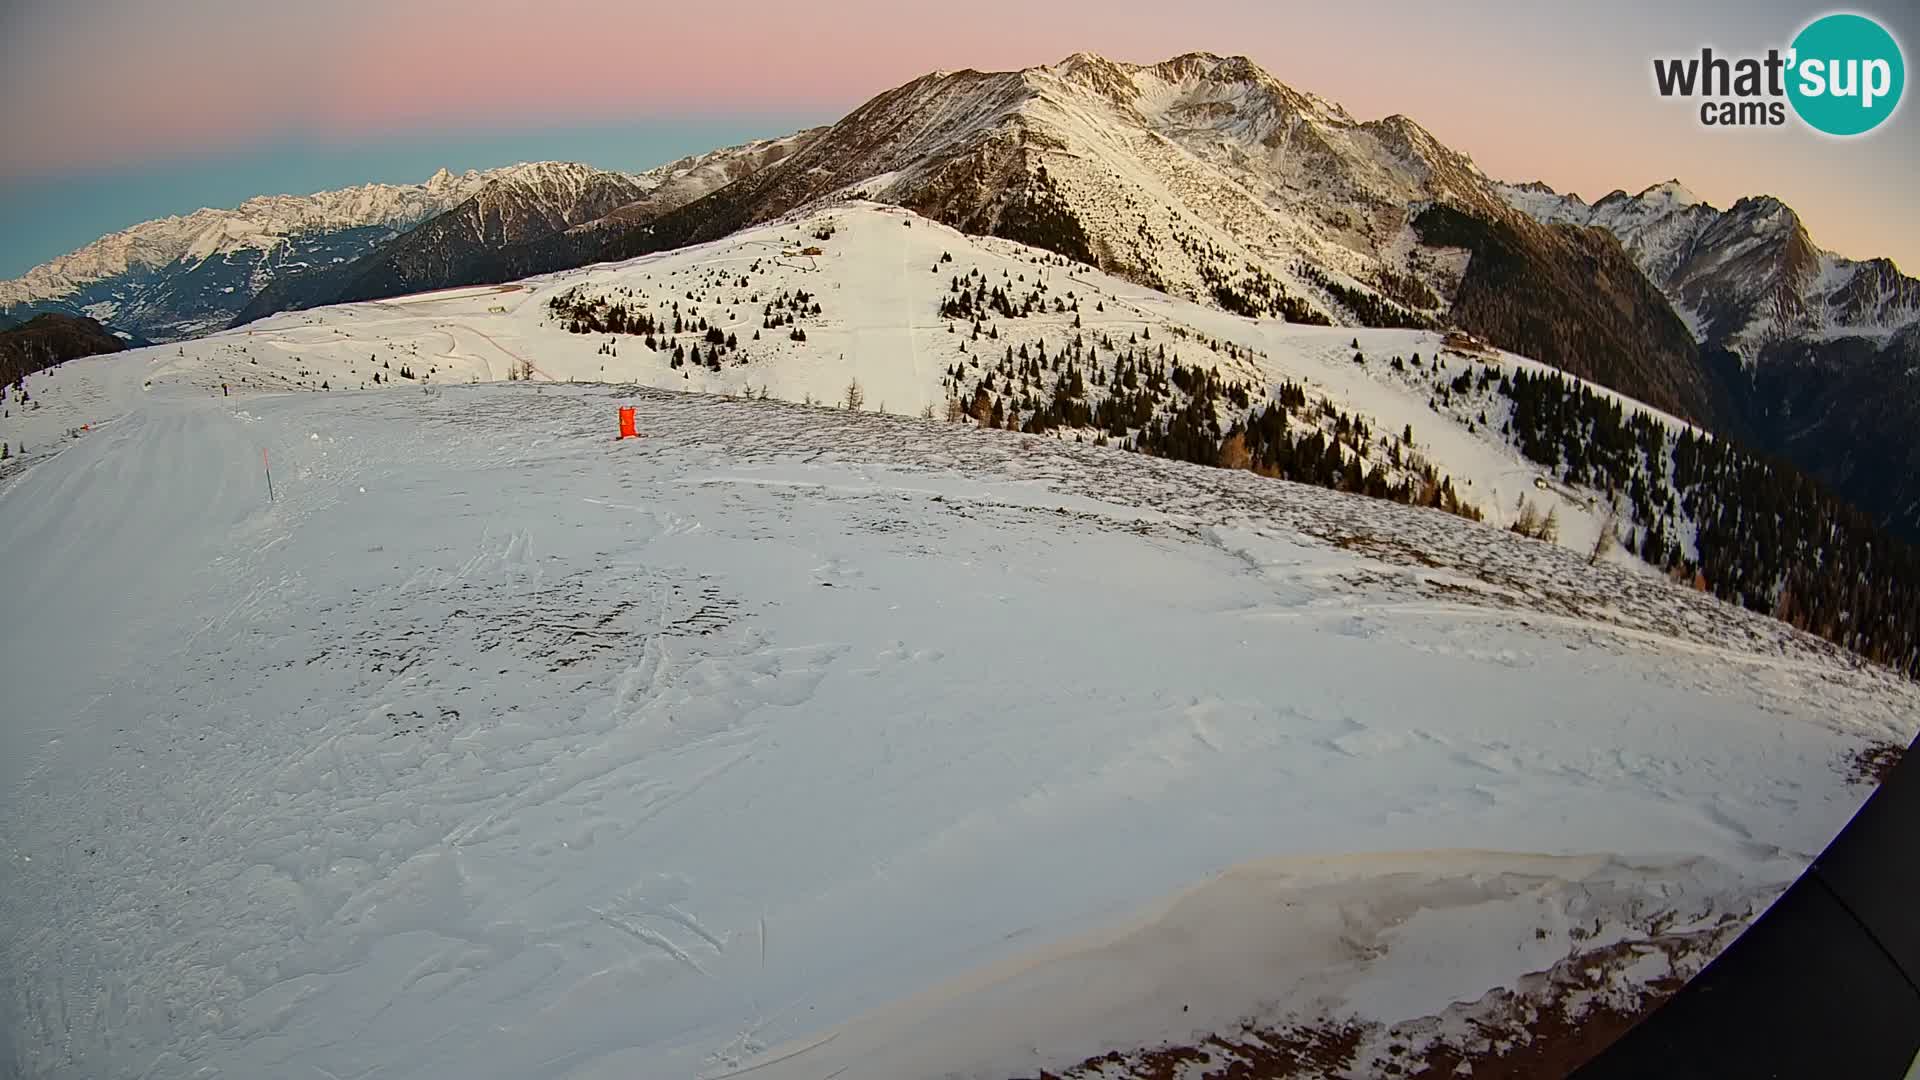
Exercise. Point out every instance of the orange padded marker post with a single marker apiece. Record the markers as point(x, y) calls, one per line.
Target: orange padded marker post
point(627, 428)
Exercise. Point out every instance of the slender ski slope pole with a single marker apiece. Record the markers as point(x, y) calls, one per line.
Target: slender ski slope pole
point(269, 469)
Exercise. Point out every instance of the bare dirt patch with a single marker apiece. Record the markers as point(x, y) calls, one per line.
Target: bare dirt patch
point(1872, 764)
point(1548, 1025)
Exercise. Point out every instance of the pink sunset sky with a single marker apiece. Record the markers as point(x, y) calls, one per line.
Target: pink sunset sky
point(1530, 90)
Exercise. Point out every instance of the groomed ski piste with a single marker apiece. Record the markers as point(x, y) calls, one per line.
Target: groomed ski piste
point(798, 742)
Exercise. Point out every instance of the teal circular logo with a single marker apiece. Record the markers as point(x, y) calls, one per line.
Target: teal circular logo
point(1847, 74)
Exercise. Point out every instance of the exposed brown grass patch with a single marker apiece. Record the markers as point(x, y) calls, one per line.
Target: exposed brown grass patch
point(1548, 1025)
point(1872, 764)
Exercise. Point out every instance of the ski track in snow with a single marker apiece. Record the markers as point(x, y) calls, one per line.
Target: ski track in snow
point(495, 747)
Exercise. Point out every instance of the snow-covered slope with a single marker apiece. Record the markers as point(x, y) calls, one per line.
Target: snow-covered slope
point(880, 280)
point(1746, 277)
point(814, 742)
point(927, 319)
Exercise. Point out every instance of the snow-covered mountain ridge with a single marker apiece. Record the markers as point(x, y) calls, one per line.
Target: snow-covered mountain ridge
point(1201, 175)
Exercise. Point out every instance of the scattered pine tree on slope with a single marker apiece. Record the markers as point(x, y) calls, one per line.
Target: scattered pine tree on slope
point(1143, 397)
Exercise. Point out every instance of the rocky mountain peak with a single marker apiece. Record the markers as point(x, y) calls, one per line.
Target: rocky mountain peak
point(1746, 277)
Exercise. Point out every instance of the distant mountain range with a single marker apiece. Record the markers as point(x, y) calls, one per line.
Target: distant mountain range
point(535, 203)
point(1201, 176)
point(183, 276)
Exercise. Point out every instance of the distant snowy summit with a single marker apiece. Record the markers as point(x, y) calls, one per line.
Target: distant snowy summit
point(1744, 277)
